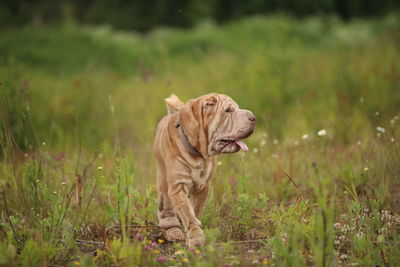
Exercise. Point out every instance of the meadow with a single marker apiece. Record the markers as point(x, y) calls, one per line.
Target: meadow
point(320, 185)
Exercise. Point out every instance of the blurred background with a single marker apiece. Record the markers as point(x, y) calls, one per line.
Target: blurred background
point(146, 15)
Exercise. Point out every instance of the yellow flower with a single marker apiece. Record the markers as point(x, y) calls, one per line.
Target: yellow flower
point(197, 251)
point(179, 252)
point(160, 241)
point(156, 251)
point(77, 263)
point(265, 261)
point(185, 260)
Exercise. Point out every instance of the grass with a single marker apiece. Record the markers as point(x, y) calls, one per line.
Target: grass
point(320, 186)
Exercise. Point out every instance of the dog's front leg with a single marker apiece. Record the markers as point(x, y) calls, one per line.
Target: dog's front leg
point(179, 194)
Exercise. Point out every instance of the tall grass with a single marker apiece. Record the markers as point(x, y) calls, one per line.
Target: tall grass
point(320, 185)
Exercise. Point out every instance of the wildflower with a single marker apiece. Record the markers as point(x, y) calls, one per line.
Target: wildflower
point(99, 168)
point(219, 163)
point(264, 261)
point(227, 265)
point(154, 244)
point(76, 263)
point(156, 251)
point(321, 132)
point(185, 260)
point(377, 113)
point(197, 251)
point(146, 248)
point(63, 183)
point(160, 241)
point(255, 150)
point(263, 142)
point(139, 237)
point(392, 140)
point(37, 181)
point(366, 169)
point(380, 129)
point(55, 192)
point(161, 259)
point(304, 136)
point(179, 252)
point(25, 155)
point(43, 143)
point(197, 244)
point(358, 143)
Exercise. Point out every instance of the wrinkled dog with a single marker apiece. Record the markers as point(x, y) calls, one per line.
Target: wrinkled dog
point(185, 145)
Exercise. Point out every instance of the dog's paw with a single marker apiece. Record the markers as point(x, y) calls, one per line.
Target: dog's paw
point(195, 237)
point(174, 234)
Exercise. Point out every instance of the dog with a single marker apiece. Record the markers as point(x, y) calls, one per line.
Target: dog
point(186, 143)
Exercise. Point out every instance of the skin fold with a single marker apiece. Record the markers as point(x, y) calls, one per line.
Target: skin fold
point(213, 124)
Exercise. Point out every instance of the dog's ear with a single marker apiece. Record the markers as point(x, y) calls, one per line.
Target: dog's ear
point(174, 104)
point(190, 117)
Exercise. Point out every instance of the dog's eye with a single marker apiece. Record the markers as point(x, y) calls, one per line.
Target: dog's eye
point(209, 104)
point(229, 109)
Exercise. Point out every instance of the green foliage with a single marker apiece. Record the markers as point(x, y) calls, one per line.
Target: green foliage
point(320, 186)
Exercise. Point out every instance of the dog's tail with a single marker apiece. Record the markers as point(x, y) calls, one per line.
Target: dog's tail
point(174, 104)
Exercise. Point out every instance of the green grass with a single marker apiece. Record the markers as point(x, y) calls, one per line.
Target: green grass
point(79, 106)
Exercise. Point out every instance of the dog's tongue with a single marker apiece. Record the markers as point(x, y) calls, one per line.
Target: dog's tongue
point(242, 145)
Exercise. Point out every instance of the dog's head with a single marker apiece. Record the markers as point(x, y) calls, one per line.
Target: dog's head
point(215, 124)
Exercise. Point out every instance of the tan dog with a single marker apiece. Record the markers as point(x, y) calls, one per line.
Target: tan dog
point(185, 144)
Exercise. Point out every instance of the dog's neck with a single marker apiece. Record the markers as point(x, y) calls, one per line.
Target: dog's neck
point(186, 142)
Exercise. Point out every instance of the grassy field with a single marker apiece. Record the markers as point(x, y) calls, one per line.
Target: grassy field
point(319, 186)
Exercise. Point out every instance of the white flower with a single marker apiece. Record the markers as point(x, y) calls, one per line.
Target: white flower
point(321, 132)
point(366, 169)
point(358, 143)
point(43, 143)
point(380, 129)
point(304, 136)
point(263, 142)
point(99, 168)
point(255, 150)
point(392, 140)
point(219, 163)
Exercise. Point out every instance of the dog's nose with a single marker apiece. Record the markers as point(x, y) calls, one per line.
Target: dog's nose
point(252, 117)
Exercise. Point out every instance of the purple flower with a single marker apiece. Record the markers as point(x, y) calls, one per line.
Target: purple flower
point(146, 248)
point(161, 259)
point(139, 237)
point(154, 244)
point(197, 244)
point(227, 265)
